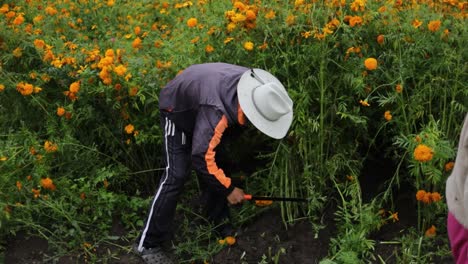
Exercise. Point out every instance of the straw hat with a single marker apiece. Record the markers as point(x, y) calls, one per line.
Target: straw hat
point(265, 102)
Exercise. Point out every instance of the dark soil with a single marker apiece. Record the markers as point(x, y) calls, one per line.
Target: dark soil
point(264, 238)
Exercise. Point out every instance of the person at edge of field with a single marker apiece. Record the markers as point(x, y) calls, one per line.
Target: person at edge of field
point(197, 107)
point(456, 193)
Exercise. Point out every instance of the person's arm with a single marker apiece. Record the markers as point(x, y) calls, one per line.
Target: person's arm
point(207, 134)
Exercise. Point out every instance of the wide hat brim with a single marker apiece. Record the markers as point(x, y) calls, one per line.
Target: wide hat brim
point(248, 83)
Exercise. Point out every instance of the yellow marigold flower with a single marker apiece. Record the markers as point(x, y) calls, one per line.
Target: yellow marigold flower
point(50, 147)
point(192, 22)
point(248, 45)
point(355, 21)
point(239, 5)
point(431, 231)
point(306, 34)
point(129, 129)
point(270, 14)
point(18, 52)
point(416, 23)
point(420, 195)
point(387, 115)
point(423, 153)
point(120, 70)
point(449, 166)
point(110, 2)
point(231, 26)
point(237, 18)
point(48, 184)
point(60, 111)
point(228, 39)
point(370, 64)
point(74, 87)
point(434, 25)
point(2, 87)
point(435, 197)
point(136, 44)
point(25, 88)
point(364, 103)
point(3, 158)
point(290, 20)
point(4, 9)
point(209, 49)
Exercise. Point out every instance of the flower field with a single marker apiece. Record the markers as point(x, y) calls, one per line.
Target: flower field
point(379, 90)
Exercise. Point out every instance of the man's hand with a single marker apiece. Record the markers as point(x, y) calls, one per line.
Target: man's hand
point(236, 196)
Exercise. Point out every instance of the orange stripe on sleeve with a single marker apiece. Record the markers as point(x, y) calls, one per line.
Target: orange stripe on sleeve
point(210, 154)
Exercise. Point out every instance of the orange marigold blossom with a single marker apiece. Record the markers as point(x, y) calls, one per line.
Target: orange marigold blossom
point(398, 88)
point(120, 70)
point(192, 22)
point(50, 147)
point(435, 197)
point(423, 153)
point(387, 115)
point(270, 14)
point(48, 183)
point(19, 185)
point(364, 103)
point(431, 231)
point(427, 198)
point(129, 129)
point(449, 166)
point(36, 192)
point(209, 48)
point(74, 87)
point(60, 111)
point(2, 87)
point(370, 64)
point(434, 25)
point(25, 88)
point(420, 195)
point(416, 23)
point(229, 240)
point(380, 39)
point(18, 20)
point(136, 44)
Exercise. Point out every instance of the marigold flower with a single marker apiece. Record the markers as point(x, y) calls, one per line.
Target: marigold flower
point(394, 216)
point(120, 70)
point(398, 88)
point(423, 153)
point(48, 184)
point(364, 103)
point(19, 185)
point(416, 23)
point(18, 52)
point(136, 44)
point(82, 196)
point(435, 197)
point(3, 158)
point(229, 240)
point(133, 91)
point(25, 88)
point(74, 87)
point(192, 22)
point(262, 203)
point(270, 14)
point(290, 20)
point(2, 87)
point(355, 21)
point(449, 166)
point(36, 193)
point(431, 231)
point(18, 20)
point(129, 129)
point(434, 25)
point(427, 198)
point(60, 111)
point(250, 15)
point(370, 63)
point(50, 147)
point(380, 39)
point(387, 115)
point(238, 18)
point(209, 49)
point(420, 195)
point(249, 46)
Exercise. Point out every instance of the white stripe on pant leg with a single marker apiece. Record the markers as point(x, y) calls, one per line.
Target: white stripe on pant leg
point(166, 131)
point(183, 138)
point(173, 130)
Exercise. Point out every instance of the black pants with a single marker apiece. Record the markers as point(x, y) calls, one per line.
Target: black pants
point(177, 152)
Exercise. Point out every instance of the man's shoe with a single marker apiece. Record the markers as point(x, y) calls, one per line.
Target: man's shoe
point(155, 255)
